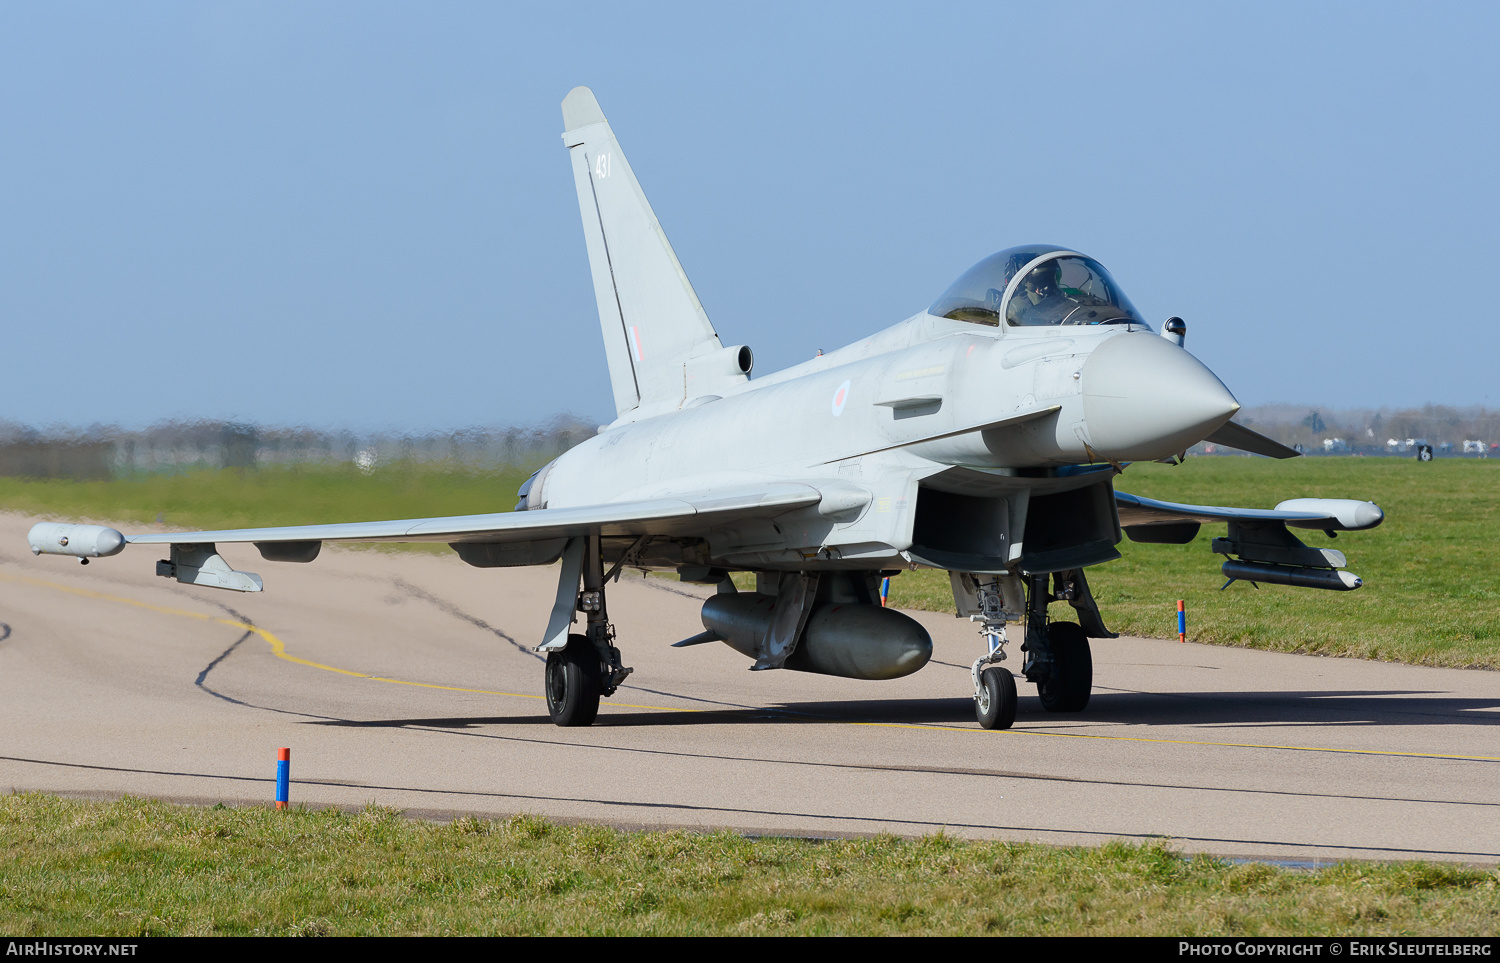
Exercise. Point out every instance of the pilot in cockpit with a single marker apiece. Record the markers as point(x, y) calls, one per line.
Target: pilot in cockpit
point(1039, 298)
point(1058, 287)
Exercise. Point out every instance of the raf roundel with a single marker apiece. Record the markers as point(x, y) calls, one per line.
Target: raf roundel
point(839, 397)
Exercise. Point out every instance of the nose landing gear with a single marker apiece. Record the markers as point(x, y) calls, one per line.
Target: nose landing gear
point(994, 686)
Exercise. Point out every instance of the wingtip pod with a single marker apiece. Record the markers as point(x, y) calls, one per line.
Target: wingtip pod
point(1351, 514)
point(580, 109)
point(78, 541)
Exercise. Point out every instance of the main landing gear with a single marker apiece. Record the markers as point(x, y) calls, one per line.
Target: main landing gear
point(588, 665)
point(1057, 659)
point(574, 681)
point(1072, 678)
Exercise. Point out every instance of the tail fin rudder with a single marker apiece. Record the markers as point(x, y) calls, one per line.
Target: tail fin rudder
point(650, 316)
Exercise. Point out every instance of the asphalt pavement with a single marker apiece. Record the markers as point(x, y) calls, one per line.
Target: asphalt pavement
point(407, 680)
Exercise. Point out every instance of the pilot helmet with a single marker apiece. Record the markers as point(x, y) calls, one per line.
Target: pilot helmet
point(1042, 279)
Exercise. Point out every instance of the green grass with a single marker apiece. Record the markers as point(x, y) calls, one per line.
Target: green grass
point(301, 495)
point(1432, 570)
point(1432, 582)
point(133, 868)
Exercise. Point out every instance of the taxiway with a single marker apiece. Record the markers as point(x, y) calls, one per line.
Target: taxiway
point(407, 680)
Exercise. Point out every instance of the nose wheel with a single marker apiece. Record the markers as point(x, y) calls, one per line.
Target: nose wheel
point(995, 698)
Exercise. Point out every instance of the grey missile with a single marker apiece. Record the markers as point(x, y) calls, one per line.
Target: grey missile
point(1323, 578)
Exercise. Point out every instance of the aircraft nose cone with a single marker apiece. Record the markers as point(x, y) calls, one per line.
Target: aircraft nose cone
point(1146, 398)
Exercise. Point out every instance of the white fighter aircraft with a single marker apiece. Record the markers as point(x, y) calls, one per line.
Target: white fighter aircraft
point(981, 436)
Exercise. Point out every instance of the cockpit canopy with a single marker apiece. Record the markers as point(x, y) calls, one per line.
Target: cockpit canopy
point(1037, 284)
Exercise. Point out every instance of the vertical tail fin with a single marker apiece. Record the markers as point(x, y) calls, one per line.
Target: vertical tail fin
point(650, 316)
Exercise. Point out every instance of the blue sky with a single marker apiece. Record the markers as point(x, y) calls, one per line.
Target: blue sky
point(362, 214)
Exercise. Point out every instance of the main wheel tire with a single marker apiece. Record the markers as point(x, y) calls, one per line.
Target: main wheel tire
point(996, 702)
point(573, 683)
point(1073, 669)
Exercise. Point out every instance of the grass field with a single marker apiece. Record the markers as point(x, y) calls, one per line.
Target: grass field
point(134, 867)
point(1432, 582)
point(238, 498)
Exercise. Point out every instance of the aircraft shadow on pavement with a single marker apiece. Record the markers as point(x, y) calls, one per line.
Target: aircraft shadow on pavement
point(1312, 707)
point(918, 712)
point(1305, 708)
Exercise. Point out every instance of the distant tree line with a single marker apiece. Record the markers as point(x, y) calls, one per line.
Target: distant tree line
point(102, 452)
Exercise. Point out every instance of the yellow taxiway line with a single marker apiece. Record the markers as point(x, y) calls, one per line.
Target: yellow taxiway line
point(278, 647)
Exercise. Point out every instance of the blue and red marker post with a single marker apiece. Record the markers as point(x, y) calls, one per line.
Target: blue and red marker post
point(1181, 620)
point(885, 592)
point(283, 777)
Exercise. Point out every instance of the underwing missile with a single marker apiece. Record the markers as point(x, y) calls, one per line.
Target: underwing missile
point(1323, 578)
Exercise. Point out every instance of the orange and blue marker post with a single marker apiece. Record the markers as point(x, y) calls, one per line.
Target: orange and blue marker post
point(885, 592)
point(1181, 620)
point(283, 777)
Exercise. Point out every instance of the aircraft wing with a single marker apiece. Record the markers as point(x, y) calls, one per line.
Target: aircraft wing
point(1342, 514)
point(502, 538)
point(658, 516)
point(1265, 550)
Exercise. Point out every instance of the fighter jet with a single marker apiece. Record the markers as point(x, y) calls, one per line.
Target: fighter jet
point(981, 436)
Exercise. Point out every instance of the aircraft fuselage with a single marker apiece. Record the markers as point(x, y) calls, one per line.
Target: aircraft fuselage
point(876, 418)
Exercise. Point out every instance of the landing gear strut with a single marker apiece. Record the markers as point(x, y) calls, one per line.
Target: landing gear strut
point(588, 666)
